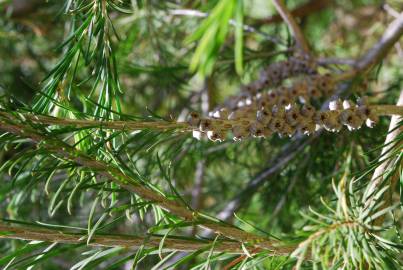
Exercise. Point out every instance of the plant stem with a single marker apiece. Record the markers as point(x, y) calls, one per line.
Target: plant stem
point(377, 52)
point(155, 125)
point(8, 231)
point(387, 161)
point(67, 152)
point(292, 24)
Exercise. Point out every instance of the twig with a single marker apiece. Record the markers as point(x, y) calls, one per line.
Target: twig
point(301, 11)
point(197, 188)
point(335, 61)
point(390, 10)
point(386, 161)
point(154, 125)
point(292, 24)
point(287, 154)
point(67, 152)
point(283, 198)
point(9, 231)
point(377, 52)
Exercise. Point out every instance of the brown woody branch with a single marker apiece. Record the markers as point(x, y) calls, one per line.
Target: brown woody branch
point(380, 110)
point(30, 233)
point(67, 152)
point(375, 55)
point(301, 11)
point(292, 24)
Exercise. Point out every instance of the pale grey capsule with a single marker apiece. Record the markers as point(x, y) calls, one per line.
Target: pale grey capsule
point(335, 105)
point(348, 104)
point(370, 123)
point(197, 134)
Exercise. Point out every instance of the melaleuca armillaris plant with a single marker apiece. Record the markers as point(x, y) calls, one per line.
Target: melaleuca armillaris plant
point(220, 134)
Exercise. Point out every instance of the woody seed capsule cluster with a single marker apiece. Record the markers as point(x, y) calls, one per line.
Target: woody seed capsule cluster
point(285, 120)
point(302, 90)
point(274, 74)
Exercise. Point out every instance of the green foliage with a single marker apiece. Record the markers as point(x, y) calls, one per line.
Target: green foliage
point(212, 34)
point(104, 61)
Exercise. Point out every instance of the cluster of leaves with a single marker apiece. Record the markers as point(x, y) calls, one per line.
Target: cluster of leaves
point(141, 51)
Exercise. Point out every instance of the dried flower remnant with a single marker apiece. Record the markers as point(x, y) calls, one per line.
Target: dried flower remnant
point(286, 120)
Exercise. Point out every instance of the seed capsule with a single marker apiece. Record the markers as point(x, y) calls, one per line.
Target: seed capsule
point(220, 114)
point(354, 123)
point(205, 125)
point(240, 132)
point(308, 111)
point(306, 128)
point(348, 104)
point(197, 134)
point(346, 117)
point(314, 92)
point(257, 129)
point(263, 116)
point(371, 122)
point(272, 96)
point(320, 118)
point(216, 135)
point(276, 124)
point(335, 105)
point(278, 111)
point(287, 130)
point(325, 83)
point(292, 115)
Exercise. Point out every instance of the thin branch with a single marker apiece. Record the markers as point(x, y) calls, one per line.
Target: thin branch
point(379, 110)
point(378, 51)
point(301, 11)
point(335, 61)
point(387, 161)
point(67, 152)
point(279, 162)
point(30, 233)
point(292, 24)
